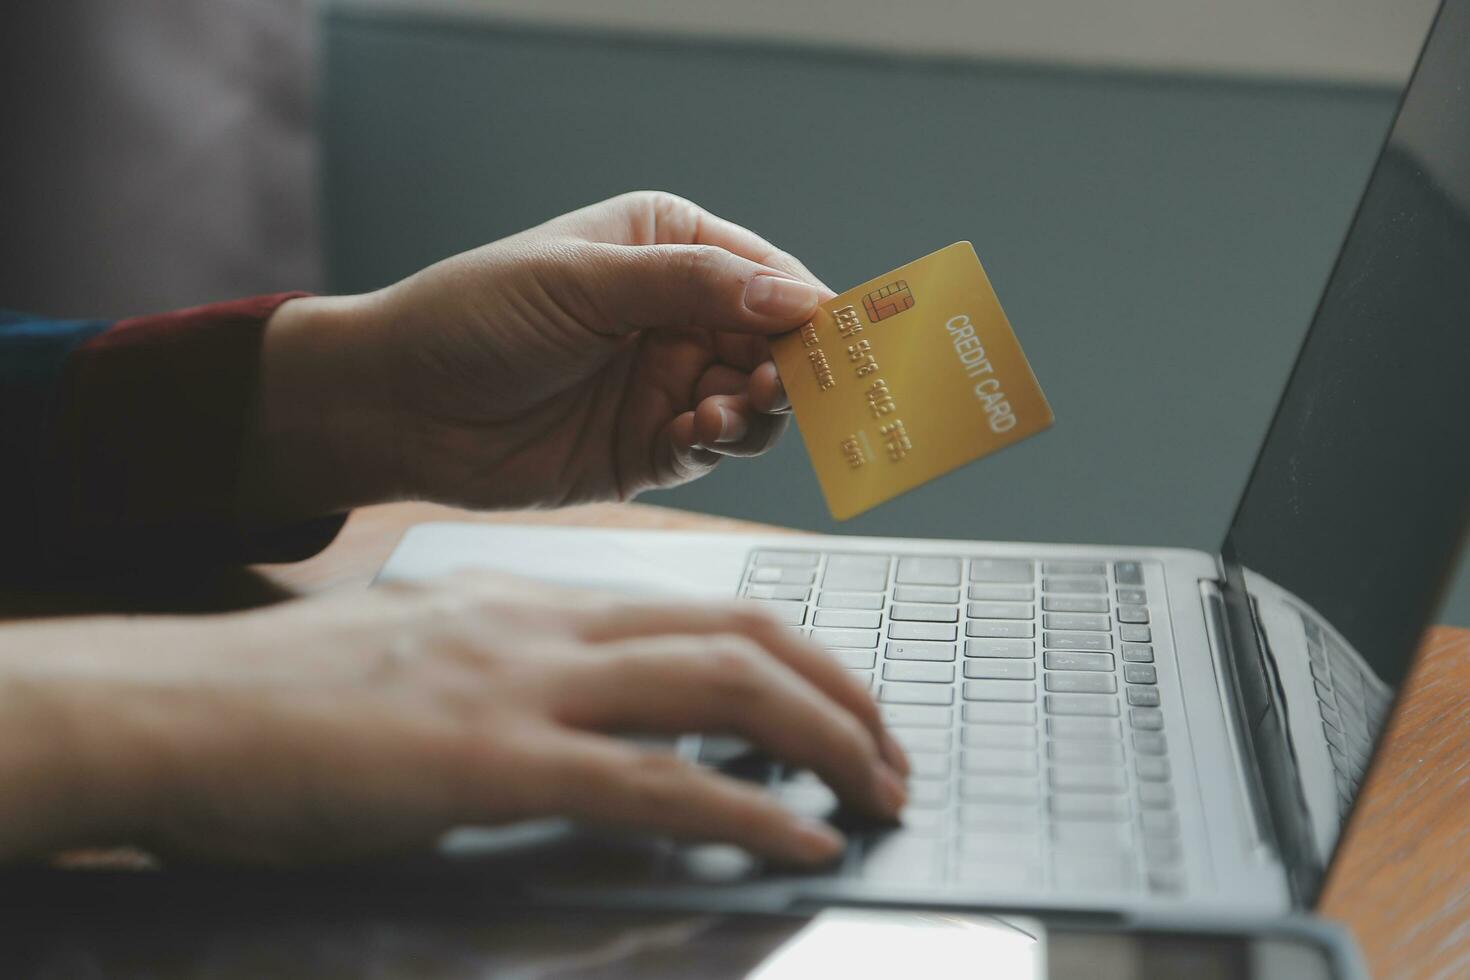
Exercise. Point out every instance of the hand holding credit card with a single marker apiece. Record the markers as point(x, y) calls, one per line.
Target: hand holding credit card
point(907, 377)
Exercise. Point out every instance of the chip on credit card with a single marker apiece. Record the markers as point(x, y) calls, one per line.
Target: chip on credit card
point(906, 377)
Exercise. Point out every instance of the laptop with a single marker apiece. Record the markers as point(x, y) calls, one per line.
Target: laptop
point(1144, 732)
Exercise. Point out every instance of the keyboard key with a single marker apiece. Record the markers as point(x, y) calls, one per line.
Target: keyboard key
point(1000, 628)
point(928, 765)
point(1086, 778)
point(928, 571)
point(1012, 670)
point(979, 848)
point(1146, 719)
point(923, 613)
point(1075, 604)
point(921, 631)
point(1140, 674)
point(861, 639)
point(1165, 881)
point(847, 618)
point(1001, 570)
point(916, 650)
point(712, 864)
point(1128, 572)
point(1143, 697)
point(1088, 806)
point(1000, 876)
point(1085, 585)
point(1081, 682)
point(915, 716)
point(1150, 743)
point(1013, 649)
point(1017, 789)
point(804, 559)
point(925, 593)
point(850, 600)
point(1136, 634)
point(926, 822)
point(1161, 851)
point(856, 573)
point(854, 659)
point(1000, 713)
point(1070, 835)
point(906, 858)
point(1155, 796)
point(1158, 823)
point(918, 671)
point(1001, 593)
point(719, 750)
point(922, 739)
point(997, 736)
point(997, 816)
point(1132, 614)
point(808, 798)
point(786, 613)
point(1017, 762)
point(1072, 660)
point(785, 576)
point(1152, 768)
point(1073, 568)
point(1138, 653)
point(1077, 641)
point(798, 592)
point(1135, 597)
point(896, 693)
point(999, 691)
point(1085, 751)
point(928, 794)
point(1082, 704)
point(1076, 621)
point(1083, 728)
point(1094, 872)
point(1319, 671)
point(1000, 610)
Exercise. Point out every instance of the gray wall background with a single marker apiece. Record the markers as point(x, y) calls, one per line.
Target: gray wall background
point(1158, 242)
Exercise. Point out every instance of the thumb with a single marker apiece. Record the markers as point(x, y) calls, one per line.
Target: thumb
point(649, 287)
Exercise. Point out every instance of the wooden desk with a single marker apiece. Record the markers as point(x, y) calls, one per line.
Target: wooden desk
point(1402, 882)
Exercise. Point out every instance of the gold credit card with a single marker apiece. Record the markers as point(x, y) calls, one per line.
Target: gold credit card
point(906, 377)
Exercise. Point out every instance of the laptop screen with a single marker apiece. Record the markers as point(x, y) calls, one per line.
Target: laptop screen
point(1356, 509)
point(1358, 500)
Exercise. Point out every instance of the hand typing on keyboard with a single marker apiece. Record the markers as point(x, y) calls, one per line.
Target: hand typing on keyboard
point(375, 721)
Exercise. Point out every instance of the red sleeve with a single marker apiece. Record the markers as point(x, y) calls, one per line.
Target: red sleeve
point(149, 431)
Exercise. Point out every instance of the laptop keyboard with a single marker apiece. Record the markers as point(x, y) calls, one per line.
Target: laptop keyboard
point(1353, 708)
point(1026, 695)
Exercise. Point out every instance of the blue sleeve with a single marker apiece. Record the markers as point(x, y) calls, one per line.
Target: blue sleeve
point(33, 353)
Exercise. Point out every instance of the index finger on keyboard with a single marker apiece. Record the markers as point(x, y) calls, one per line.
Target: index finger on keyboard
point(801, 655)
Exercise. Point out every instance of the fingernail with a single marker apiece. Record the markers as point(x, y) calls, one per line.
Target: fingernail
point(895, 754)
point(781, 399)
point(891, 792)
point(732, 426)
point(816, 840)
point(778, 297)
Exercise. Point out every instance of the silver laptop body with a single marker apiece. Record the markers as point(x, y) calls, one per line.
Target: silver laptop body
point(1139, 732)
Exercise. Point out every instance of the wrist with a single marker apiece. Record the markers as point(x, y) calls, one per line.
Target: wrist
point(324, 433)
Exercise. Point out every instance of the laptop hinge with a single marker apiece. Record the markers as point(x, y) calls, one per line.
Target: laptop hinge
point(1260, 715)
point(1242, 758)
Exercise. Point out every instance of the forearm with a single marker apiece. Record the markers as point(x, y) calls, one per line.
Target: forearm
point(68, 766)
